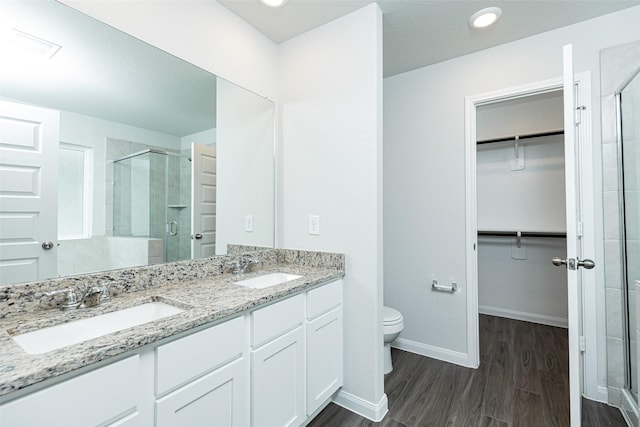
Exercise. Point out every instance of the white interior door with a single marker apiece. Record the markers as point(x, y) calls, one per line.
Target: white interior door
point(203, 201)
point(29, 139)
point(573, 261)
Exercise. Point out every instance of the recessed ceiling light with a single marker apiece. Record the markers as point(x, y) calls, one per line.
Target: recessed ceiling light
point(274, 3)
point(485, 17)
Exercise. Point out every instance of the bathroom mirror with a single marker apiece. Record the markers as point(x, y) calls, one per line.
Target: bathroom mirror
point(156, 161)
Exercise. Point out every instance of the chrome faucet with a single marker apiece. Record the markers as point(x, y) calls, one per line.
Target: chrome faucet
point(91, 297)
point(241, 265)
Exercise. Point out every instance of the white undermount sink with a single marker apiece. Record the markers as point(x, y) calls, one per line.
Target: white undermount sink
point(267, 280)
point(54, 337)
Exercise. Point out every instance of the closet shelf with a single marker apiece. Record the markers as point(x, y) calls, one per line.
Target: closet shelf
point(523, 233)
point(523, 136)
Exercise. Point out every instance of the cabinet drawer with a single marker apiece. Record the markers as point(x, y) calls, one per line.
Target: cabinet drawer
point(89, 399)
point(324, 299)
point(187, 358)
point(272, 321)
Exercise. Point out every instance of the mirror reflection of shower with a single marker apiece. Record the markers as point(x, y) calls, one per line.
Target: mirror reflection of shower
point(629, 198)
point(151, 200)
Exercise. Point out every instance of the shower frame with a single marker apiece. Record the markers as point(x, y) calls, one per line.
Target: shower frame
point(627, 329)
point(169, 230)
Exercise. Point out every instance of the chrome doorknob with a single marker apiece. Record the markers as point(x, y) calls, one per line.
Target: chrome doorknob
point(197, 236)
point(586, 263)
point(573, 264)
point(47, 245)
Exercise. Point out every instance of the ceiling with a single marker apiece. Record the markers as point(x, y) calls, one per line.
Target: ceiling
point(128, 81)
point(418, 33)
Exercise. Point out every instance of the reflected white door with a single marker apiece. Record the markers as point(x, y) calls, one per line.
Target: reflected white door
point(29, 138)
point(203, 201)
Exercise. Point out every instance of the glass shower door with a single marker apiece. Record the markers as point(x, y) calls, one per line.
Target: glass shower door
point(630, 200)
point(140, 196)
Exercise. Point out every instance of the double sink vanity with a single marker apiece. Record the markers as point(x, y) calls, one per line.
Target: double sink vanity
point(180, 344)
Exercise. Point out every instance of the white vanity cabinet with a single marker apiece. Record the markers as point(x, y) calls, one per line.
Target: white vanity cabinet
point(296, 356)
point(324, 344)
point(274, 367)
point(106, 396)
point(277, 364)
point(203, 377)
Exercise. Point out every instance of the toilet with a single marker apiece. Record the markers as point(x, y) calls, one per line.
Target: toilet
point(392, 326)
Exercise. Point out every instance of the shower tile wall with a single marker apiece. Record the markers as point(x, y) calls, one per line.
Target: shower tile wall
point(616, 64)
point(157, 195)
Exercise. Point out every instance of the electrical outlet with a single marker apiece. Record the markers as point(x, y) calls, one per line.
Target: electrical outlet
point(248, 223)
point(314, 225)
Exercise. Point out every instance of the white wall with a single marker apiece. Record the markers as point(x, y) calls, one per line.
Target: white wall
point(330, 165)
point(93, 132)
point(528, 199)
point(538, 113)
point(424, 169)
point(245, 158)
point(206, 137)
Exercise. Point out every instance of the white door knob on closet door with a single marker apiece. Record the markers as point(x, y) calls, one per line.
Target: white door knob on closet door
point(572, 263)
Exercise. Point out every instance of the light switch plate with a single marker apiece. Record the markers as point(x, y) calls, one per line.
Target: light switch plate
point(314, 225)
point(248, 223)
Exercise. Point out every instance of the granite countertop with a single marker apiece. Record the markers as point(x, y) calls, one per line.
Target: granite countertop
point(203, 300)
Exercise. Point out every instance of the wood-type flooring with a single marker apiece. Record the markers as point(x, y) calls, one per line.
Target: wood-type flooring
point(522, 381)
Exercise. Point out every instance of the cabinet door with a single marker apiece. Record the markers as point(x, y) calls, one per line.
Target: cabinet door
point(93, 398)
point(324, 358)
point(216, 399)
point(278, 382)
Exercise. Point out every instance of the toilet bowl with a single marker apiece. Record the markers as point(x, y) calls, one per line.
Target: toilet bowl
point(392, 326)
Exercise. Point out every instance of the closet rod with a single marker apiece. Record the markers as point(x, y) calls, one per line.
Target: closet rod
point(523, 136)
point(523, 233)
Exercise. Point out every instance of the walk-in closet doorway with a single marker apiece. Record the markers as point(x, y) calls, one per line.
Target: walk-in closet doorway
point(521, 209)
point(515, 222)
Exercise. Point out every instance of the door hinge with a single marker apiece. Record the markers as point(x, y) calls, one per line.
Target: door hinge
point(579, 111)
point(583, 344)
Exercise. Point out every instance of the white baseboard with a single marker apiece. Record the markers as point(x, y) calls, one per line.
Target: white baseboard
point(372, 411)
point(434, 352)
point(523, 315)
point(603, 394)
